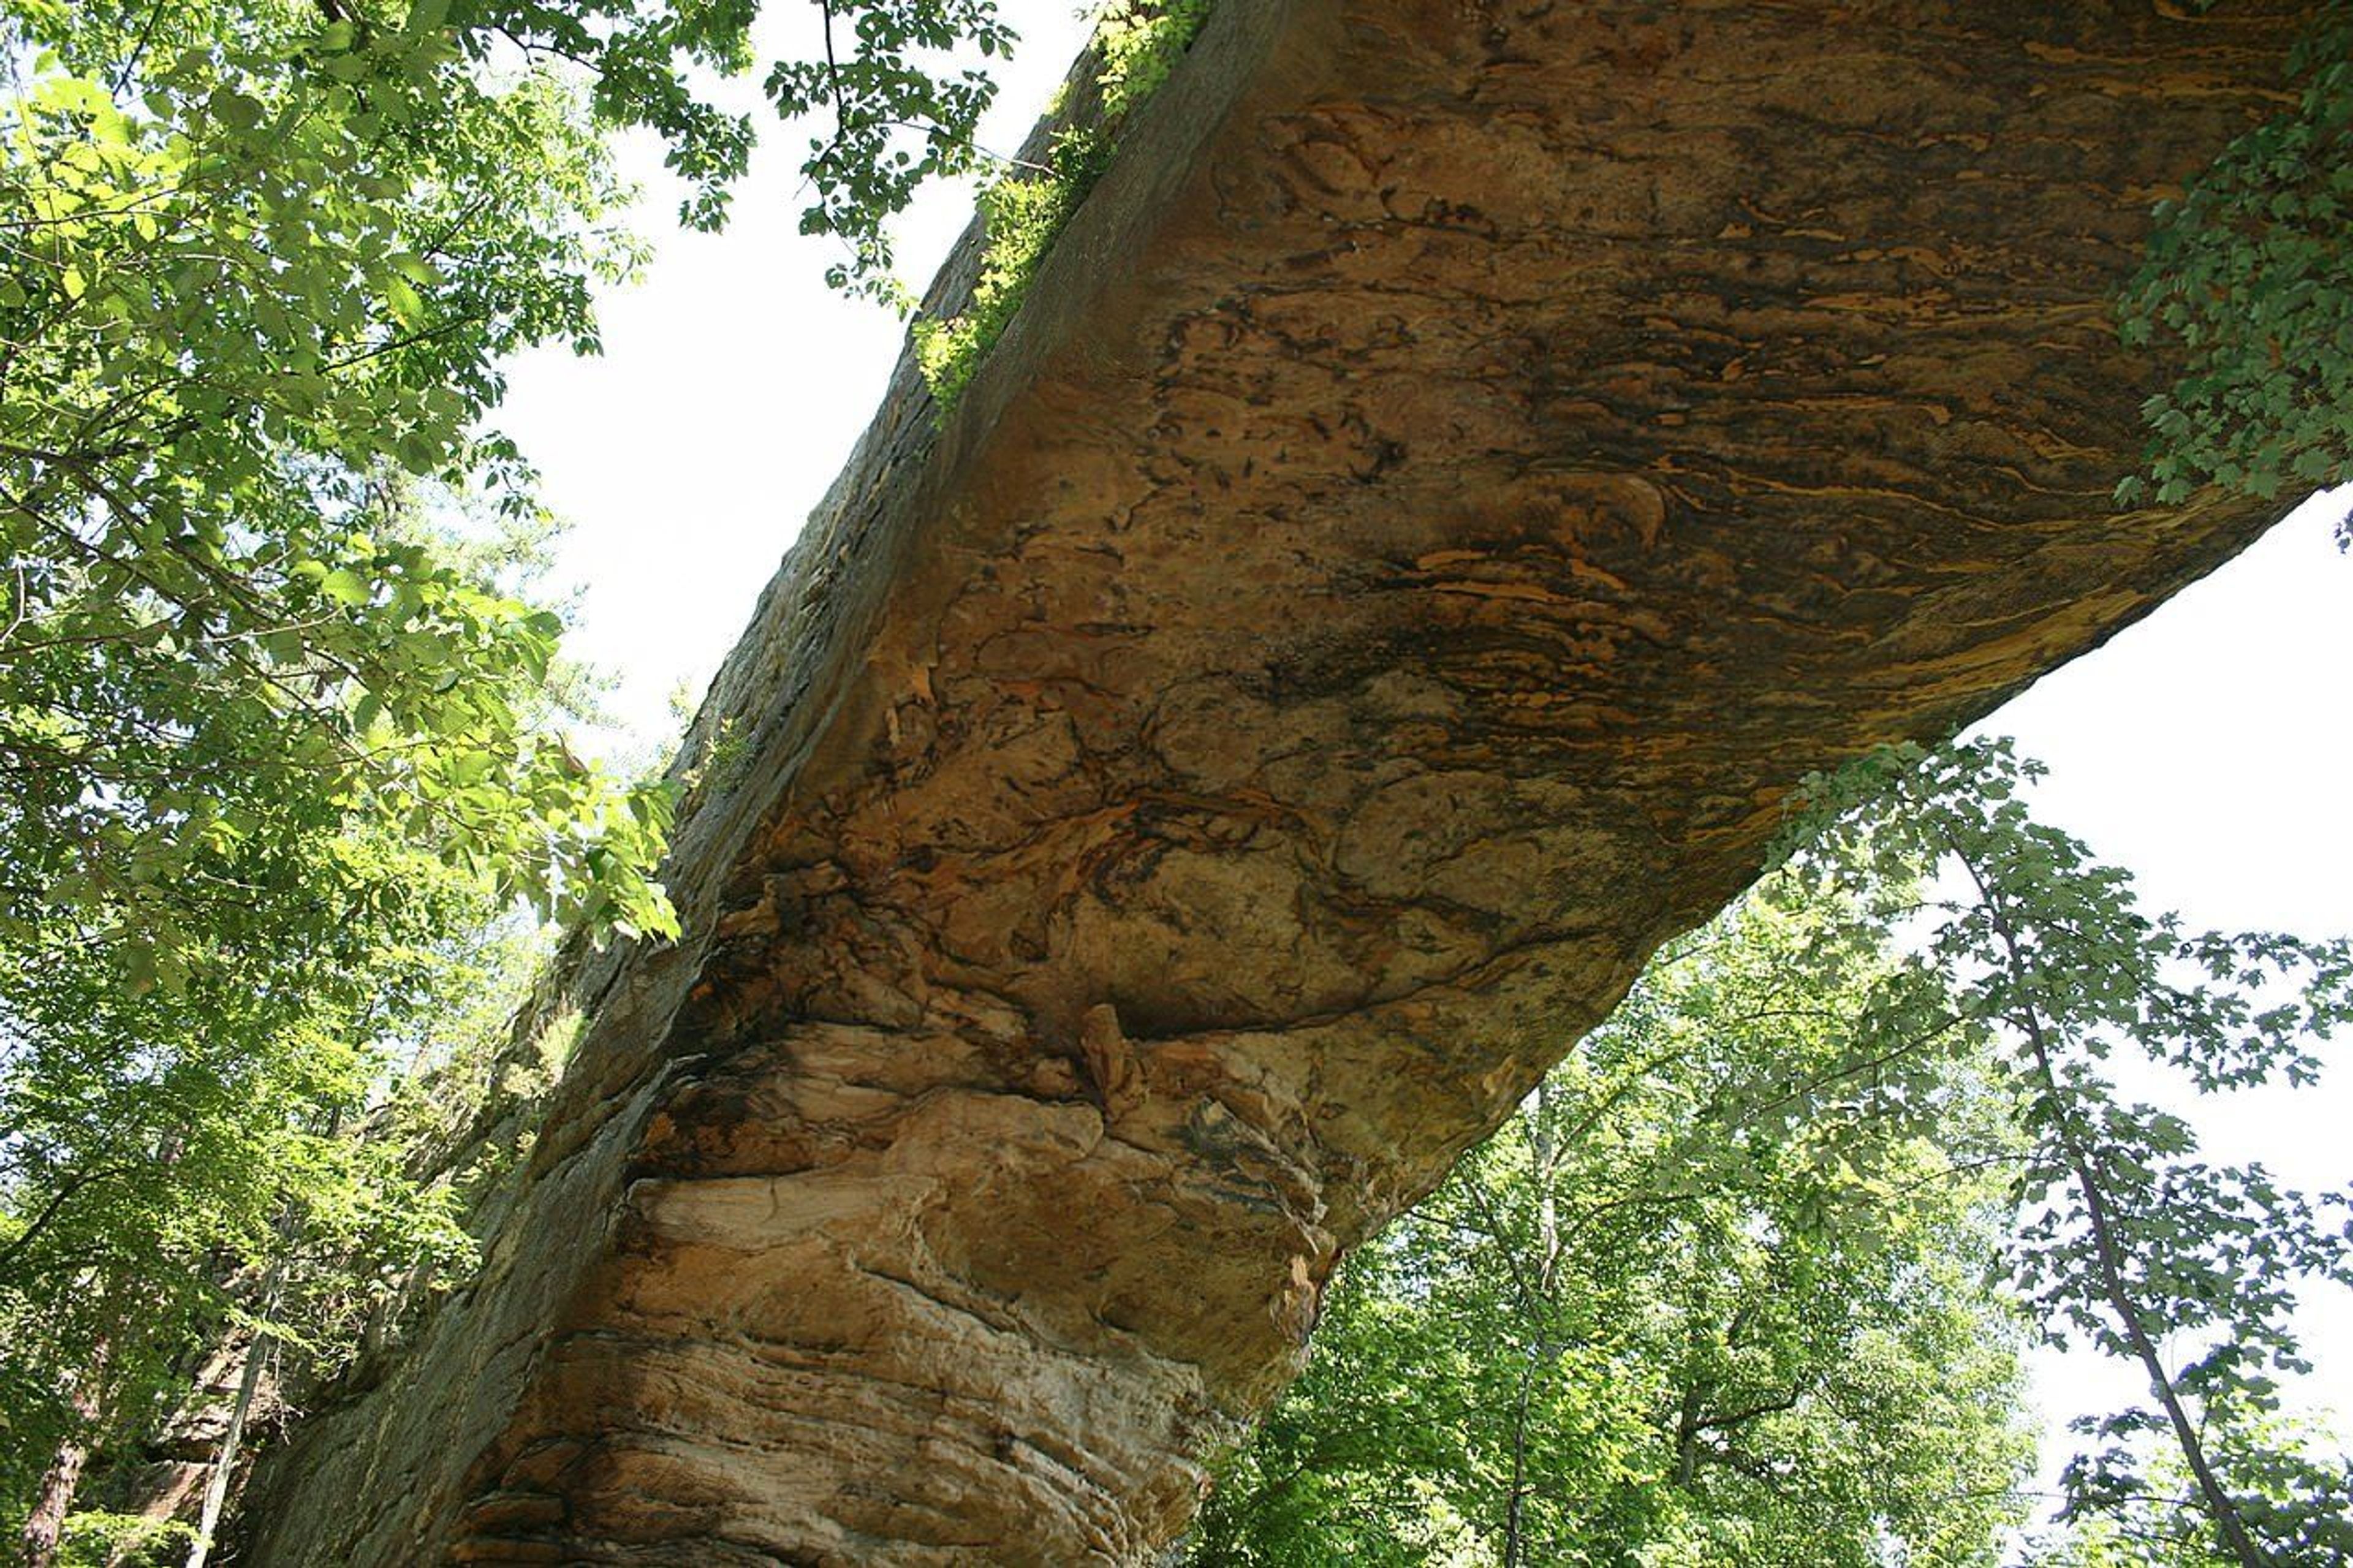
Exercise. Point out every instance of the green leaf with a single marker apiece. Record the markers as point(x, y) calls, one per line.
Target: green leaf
point(408, 306)
point(236, 110)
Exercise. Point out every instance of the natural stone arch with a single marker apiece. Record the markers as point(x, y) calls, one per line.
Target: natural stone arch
point(1463, 464)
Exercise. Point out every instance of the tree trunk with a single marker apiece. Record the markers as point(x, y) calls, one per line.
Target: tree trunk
point(249, 1380)
point(1515, 1508)
point(2084, 1166)
point(1687, 1431)
point(53, 1500)
point(1540, 1352)
point(1461, 468)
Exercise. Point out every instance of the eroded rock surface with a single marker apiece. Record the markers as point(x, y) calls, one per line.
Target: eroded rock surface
point(1464, 464)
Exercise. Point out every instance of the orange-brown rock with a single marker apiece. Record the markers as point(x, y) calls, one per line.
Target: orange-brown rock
point(1463, 465)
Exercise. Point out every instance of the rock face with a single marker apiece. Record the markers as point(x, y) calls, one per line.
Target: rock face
point(1464, 463)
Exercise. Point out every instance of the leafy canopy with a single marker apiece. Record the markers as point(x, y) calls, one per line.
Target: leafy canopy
point(259, 269)
point(1716, 1294)
point(1744, 1280)
point(2126, 1240)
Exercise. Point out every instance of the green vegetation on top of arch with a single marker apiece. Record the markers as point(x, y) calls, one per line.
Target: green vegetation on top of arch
point(1024, 210)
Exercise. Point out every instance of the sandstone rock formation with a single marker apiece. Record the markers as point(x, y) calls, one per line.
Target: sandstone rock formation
point(1463, 464)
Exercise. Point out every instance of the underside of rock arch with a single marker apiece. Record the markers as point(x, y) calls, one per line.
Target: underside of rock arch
point(1461, 466)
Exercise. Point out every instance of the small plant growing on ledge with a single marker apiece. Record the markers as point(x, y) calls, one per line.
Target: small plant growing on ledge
point(1024, 215)
point(1024, 210)
point(1140, 41)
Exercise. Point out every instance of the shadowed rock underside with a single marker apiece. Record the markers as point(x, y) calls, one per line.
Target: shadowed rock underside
point(1464, 463)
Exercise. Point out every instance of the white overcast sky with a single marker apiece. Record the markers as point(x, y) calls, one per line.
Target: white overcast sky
point(2206, 748)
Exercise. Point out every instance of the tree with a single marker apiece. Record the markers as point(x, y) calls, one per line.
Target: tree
point(260, 269)
point(1701, 1300)
point(2151, 1528)
point(161, 1151)
point(1716, 1293)
point(2126, 1240)
point(278, 720)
